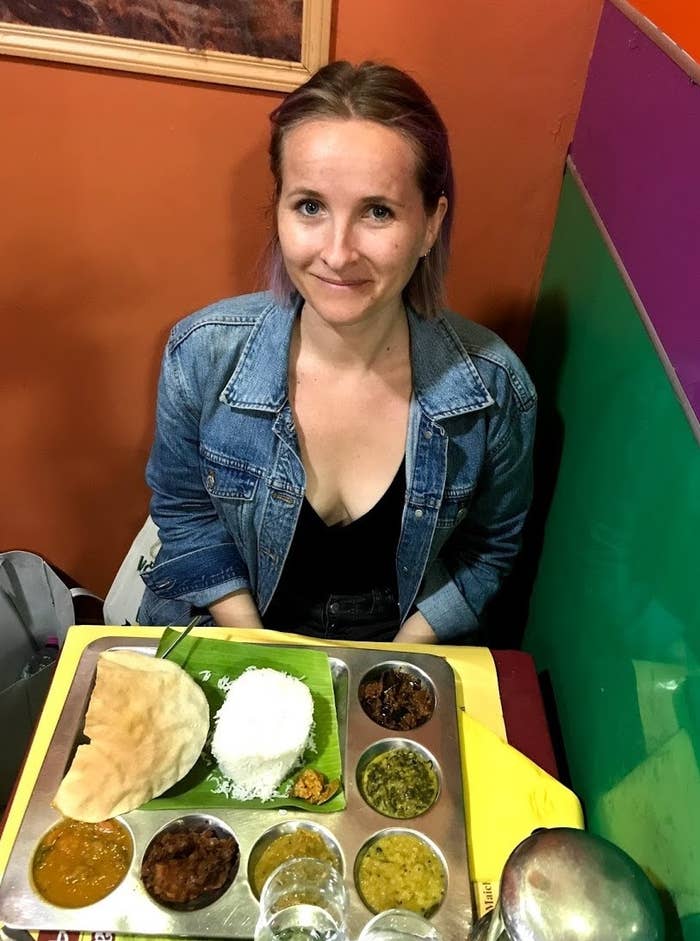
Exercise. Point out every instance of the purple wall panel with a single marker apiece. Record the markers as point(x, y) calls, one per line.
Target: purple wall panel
point(637, 148)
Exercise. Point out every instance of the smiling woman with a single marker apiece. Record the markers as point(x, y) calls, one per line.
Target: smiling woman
point(341, 457)
point(351, 221)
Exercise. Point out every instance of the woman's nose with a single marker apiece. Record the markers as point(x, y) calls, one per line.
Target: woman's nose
point(339, 250)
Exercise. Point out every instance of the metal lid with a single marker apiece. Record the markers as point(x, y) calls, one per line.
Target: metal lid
point(568, 885)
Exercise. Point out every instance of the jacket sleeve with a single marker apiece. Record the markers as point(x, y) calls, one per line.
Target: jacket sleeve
point(480, 552)
point(199, 561)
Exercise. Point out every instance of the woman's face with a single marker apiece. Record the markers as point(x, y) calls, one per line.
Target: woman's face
point(350, 217)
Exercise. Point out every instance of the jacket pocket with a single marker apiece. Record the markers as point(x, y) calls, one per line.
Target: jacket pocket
point(454, 508)
point(228, 478)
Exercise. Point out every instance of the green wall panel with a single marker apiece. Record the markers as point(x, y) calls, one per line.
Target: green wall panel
point(615, 612)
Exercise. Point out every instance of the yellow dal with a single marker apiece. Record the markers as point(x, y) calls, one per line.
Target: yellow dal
point(295, 845)
point(401, 871)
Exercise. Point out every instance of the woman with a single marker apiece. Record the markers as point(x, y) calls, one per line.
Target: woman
point(337, 457)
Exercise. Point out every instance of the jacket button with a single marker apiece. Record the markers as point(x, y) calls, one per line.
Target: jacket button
point(211, 479)
point(427, 434)
point(335, 607)
point(418, 514)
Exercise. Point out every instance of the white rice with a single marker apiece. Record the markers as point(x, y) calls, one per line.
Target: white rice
point(262, 730)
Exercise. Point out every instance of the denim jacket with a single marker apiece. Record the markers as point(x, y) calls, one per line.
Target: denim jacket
point(228, 481)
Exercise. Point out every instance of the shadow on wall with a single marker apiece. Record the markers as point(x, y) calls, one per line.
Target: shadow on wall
point(507, 615)
point(510, 318)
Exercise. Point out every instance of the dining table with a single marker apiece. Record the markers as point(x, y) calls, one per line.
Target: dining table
point(509, 769)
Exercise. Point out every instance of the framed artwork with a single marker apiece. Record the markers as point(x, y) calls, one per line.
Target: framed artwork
point(272, 44)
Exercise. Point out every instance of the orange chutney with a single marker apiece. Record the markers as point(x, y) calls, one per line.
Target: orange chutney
point(80, 863)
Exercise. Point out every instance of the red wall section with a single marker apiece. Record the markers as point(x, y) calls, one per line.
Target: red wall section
point(679, 19)
point(126, 203)
point(129, 201)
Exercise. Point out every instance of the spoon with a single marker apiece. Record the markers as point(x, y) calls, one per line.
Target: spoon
point(180, 637)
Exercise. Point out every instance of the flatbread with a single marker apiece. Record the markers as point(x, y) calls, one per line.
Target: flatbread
point(147, 722)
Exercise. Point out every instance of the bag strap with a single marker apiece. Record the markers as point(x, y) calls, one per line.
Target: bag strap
point(84, 593)
point(17, 598)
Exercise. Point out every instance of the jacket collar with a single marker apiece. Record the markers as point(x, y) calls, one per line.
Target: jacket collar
point(259, 380)
point(445, 379)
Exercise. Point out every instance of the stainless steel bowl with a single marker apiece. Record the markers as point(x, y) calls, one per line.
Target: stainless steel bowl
point(568, 885)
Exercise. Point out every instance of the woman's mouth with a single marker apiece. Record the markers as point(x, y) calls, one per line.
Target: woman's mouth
point(344, 283)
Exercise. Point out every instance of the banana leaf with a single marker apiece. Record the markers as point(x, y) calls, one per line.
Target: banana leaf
point(207, 662)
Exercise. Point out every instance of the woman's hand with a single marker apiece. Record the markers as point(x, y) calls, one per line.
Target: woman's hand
point(236, 610)
point(416, 630)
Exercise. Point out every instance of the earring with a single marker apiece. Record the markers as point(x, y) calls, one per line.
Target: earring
point(426, 255)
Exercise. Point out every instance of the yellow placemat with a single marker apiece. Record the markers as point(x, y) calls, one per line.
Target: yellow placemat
point(507, 797)
point(506, 794)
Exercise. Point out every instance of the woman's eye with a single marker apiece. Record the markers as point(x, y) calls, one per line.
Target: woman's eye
point(309, 207)
point(380, 213)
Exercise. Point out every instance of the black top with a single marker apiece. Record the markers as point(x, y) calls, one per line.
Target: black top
point(349, 559)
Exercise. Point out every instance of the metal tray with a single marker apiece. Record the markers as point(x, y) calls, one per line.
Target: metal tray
point(129, 909)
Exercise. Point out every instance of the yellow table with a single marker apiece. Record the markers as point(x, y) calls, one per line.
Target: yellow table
point(506, 794)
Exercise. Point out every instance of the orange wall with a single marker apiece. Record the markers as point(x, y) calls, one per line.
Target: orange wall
point(679, 19)
point(128, 201)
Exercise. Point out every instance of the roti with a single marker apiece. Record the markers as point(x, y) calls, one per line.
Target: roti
point(147, 722)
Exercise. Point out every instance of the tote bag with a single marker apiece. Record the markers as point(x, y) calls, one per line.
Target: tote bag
point(36, 608)
point(123, 599)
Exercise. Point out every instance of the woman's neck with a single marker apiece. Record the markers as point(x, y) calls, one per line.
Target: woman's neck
point(359, 347)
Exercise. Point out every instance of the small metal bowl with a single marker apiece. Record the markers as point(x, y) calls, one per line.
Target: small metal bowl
point(422, 681)
point(281, 829)
point(195, 823)
point(402, 902)
point(396, 745)
point(75, 880)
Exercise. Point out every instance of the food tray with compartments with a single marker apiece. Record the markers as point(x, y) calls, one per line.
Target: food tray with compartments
point(129, 909)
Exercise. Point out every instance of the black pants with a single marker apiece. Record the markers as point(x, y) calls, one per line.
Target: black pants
point(372, 615)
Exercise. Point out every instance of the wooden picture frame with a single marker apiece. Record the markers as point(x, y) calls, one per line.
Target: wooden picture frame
point(130, 55)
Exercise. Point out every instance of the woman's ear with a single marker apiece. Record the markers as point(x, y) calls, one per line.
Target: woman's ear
point(434, 223)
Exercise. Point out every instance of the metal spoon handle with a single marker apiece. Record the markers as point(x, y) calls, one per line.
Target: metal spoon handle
point(180, 637)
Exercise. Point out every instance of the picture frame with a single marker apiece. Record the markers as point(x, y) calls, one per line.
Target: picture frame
point(170, 61)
